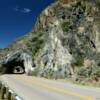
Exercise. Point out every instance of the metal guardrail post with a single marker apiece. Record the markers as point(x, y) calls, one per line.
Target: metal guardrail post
point(0, 89)
point(0, 86)
point(8, 94)
point(3, 92)
point(13, 97)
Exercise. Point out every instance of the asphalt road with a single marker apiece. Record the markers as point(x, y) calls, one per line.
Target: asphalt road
point(33, 88)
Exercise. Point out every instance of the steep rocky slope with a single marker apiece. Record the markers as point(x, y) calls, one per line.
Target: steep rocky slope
point(65, 41)
point(72, 39)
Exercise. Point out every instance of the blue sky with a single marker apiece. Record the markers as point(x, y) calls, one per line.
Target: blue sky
point(17, 17)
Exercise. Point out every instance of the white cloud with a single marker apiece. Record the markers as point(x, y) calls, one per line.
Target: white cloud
point(22, 10)
point(26, 10)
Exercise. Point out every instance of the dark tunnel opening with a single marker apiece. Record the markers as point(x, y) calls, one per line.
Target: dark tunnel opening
point(14, 67)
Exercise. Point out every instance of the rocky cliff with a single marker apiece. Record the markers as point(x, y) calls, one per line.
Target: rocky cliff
point(72, 39)
point(65, 41)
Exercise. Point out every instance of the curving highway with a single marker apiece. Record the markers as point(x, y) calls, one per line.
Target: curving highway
point(33, 88)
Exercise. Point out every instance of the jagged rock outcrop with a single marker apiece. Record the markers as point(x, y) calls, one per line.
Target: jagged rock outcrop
point(54, 60)
point(71, 31)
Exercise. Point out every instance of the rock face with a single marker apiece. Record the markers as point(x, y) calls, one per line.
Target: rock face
point(18, 62)
point(54, 60)
point(72, 35)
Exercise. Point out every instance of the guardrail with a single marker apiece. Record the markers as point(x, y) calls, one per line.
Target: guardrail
point(7, 94)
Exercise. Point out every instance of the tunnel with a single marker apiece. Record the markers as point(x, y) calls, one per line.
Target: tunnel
point(19, 62)
point(14, 67)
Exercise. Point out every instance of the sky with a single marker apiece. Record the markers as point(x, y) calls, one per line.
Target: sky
point(17, 17)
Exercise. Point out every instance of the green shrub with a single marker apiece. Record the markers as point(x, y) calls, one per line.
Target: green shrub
point(96, 72)
point(79, 61)
point(90, 71)
point(85, 72)
point(65, 26)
